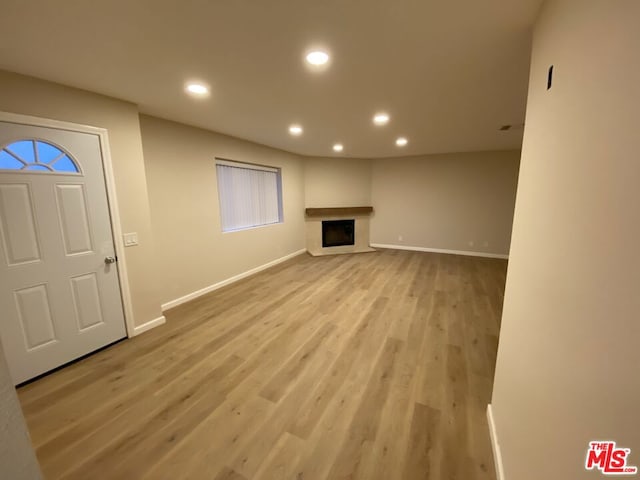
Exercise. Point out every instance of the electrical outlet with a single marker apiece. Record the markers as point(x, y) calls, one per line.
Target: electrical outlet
point(485, 244)
point(130, 239)
point(399, 238)
point(471, 243)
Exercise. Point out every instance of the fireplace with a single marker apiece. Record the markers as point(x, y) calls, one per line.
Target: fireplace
point(337, 230)
point(336, 233)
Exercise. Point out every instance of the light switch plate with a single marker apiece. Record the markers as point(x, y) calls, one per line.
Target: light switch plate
point(130, 239)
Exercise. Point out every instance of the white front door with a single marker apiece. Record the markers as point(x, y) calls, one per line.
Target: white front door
point(59, 289)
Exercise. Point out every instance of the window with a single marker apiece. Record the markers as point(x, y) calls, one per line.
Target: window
point(250, 195)
point(36, 155)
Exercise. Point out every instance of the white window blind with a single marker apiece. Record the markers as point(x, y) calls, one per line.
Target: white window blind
point(250, 195)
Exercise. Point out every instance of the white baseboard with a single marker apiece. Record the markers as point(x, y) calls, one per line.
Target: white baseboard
point(495, 445)
point(148, 325)
point(440, 250)
point(235, 278)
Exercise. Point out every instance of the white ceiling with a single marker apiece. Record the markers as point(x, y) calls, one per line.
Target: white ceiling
point(449, 73)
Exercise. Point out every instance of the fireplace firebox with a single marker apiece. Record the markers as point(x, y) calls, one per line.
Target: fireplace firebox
point(338, 232)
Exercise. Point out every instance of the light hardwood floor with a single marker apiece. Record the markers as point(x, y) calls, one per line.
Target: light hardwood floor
point(372, 366)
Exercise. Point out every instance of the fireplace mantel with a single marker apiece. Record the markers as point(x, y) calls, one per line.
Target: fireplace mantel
point(337, 211)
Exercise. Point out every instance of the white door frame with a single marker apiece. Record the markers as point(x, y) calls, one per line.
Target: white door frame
point(114, 217)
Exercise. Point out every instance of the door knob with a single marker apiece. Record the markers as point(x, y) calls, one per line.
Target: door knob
point(109, 260)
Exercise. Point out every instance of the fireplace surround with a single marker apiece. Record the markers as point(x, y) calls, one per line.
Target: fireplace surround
point(346, 230)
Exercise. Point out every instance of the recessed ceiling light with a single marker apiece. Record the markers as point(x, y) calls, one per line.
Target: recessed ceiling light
point(381, 118)
point(317, 57)
point(401, 141)
point(197, 89)
point(295, 130)
point(338, 147)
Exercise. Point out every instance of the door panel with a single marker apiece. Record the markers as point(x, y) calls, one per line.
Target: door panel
point(86, 300)
point(58, 298)
point(34, 312)
point(18, 227)
point(74, 221)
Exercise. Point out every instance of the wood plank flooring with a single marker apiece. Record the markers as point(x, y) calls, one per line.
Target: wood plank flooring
point(370, 366)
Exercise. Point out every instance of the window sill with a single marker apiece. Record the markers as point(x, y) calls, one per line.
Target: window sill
point(254, 227)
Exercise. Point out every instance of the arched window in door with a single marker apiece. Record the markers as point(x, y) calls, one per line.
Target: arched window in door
point(31, 155)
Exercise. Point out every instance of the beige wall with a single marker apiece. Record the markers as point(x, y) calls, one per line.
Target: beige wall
point(17, 460)
point(29, 96)
point(337, 182)
point(569, 356)
point(193, 251)
point(445, 201)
